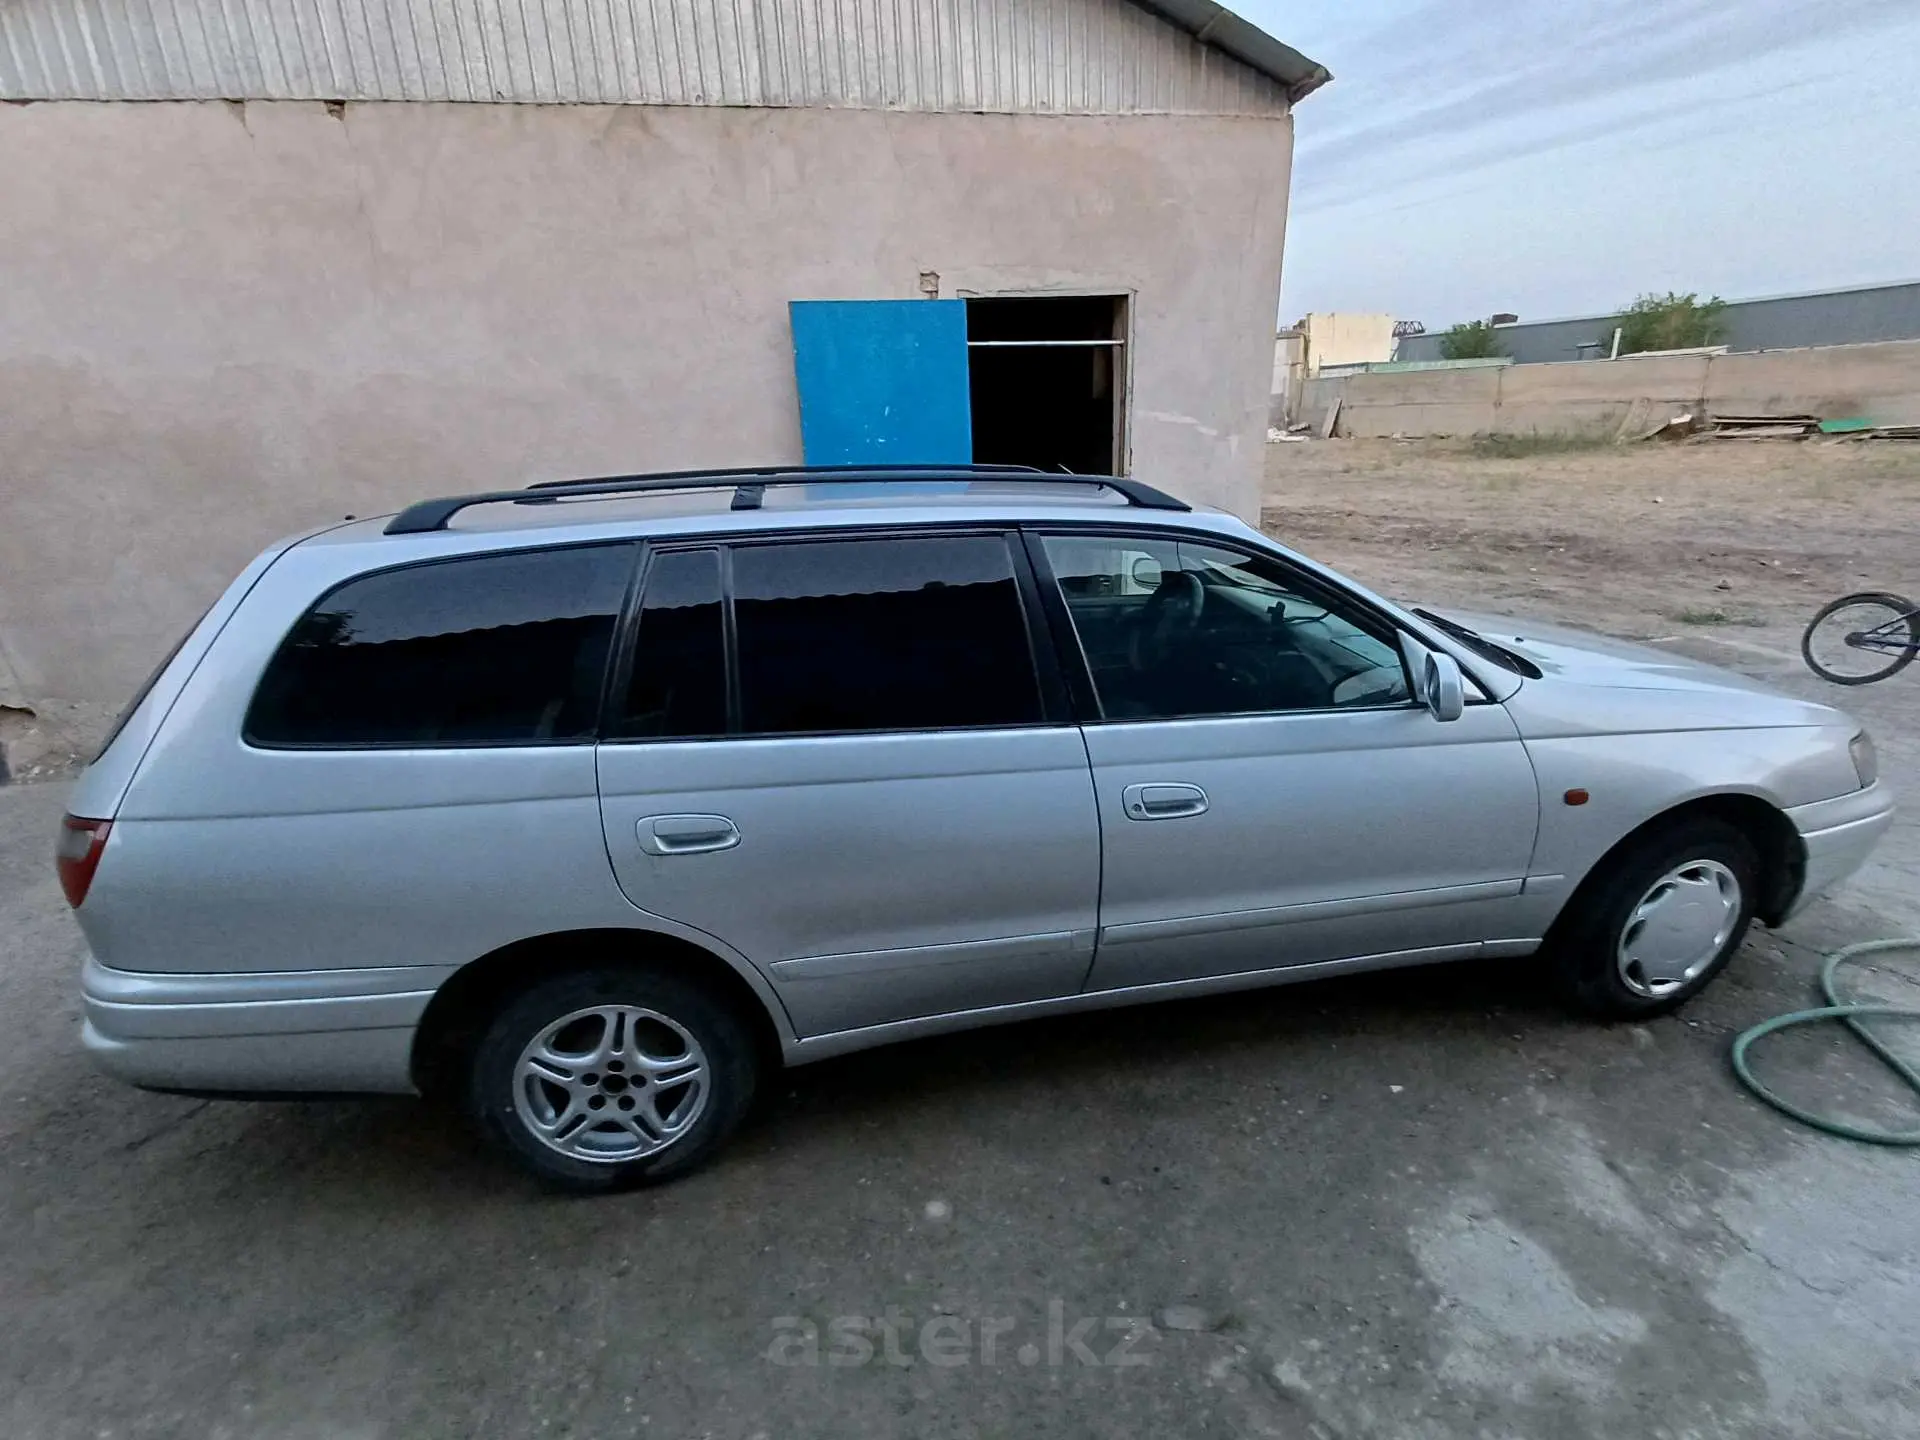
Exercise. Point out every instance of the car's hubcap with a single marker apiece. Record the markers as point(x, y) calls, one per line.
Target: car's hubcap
point(1679, 927)
point(613, 1083)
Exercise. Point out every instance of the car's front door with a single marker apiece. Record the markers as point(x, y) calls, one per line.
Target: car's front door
point(834, 756)
point(1270, 793)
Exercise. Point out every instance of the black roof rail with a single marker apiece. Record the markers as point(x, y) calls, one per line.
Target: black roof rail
point(805, 473)
point(750, 485)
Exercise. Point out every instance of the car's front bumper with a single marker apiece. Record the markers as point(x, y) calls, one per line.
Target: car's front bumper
point(332, 1031)
point(1838, 835)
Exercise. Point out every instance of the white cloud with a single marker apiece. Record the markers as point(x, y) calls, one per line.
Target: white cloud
point(1554, 157)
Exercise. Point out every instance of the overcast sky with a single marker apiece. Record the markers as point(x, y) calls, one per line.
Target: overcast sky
point(1558, 157)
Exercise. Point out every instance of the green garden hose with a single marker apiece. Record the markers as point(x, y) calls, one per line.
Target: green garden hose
point(1851, 1013)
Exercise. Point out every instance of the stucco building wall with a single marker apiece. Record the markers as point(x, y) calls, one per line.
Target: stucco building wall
point(221, 323)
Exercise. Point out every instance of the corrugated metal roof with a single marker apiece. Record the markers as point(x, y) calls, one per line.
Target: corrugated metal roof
point(1854, 315)
point(1064, 56)
point(1239, 37)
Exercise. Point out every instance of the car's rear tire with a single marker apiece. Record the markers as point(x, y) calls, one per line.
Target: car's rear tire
point(605, 1078)
point(1662, 917)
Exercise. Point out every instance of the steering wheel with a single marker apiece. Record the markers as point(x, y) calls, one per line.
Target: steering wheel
point(1170, 612)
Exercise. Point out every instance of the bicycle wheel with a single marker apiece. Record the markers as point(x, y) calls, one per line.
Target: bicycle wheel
point(1861, 638)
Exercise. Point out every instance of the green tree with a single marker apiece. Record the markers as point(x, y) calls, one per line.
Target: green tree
point(1470, 340)
point(1669, 322)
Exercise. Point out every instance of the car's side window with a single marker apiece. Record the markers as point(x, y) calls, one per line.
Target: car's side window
point(677, 686)
point(1180, 629)
point(505, 649)
point(909, 633)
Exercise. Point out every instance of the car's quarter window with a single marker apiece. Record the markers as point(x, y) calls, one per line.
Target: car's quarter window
point(502, 649)
point(1179, 629)
point(677, 686)
point(901, 633)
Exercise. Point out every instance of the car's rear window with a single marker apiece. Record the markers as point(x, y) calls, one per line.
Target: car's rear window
point(484, 650)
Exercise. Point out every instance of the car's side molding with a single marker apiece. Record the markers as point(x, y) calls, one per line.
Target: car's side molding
point(822, 1047)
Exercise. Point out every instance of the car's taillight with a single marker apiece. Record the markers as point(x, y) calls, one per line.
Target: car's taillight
point(77, 855)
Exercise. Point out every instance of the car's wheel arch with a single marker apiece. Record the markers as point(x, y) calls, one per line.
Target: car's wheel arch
point(1782, 854)
point(464, 1003)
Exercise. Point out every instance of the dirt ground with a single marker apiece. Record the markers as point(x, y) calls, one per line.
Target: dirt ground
point(1646, 540)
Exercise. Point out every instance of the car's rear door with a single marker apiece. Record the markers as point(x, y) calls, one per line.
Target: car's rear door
point(1270, 794)
point(839, 756)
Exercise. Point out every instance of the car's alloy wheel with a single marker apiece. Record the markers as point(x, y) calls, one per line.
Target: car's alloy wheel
point(610, 1083)
point(604, 1078)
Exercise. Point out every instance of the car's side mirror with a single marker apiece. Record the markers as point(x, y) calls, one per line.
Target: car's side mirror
point(1441, 686)
point(1145, 571)
point(1446, 686)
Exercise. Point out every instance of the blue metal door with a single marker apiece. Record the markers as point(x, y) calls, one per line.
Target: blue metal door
point(883, 382)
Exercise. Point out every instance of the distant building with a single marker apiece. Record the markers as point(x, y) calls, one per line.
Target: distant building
point(1325, 340)
point(1333, 338)
point(1776, 322)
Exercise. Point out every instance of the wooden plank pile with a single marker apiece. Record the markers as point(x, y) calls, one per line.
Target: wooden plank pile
point(1762, 427)
point(1799, 427)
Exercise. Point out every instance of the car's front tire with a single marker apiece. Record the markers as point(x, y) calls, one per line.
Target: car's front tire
point(605, 1078)
point(1658, 921)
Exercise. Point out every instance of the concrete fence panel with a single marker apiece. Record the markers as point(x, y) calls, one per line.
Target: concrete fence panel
point(1597, 397)
point(1421, 402)
point(1881, 382)
point(1310, 403)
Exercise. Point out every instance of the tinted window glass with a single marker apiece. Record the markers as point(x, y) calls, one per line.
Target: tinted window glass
point(881, 635)
point(496, 649)
point(1186, 629)
point(679, 681)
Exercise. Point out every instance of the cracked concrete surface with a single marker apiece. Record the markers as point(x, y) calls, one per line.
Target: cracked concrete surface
point(1512, 1320)
point(1549, 1228)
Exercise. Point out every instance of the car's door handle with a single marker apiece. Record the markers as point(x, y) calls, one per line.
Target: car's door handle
point(687, 834)
point(1164, 801)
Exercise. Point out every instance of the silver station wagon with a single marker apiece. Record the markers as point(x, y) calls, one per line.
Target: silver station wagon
point(589, 805)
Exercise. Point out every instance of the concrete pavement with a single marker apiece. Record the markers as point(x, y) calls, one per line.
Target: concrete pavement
point(1423, 1204)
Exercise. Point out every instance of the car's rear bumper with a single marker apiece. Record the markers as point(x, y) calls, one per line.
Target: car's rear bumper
point(1838, 835)
point(278, 1032)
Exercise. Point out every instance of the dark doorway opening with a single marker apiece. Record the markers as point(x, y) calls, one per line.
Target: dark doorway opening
point(1048, 382)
